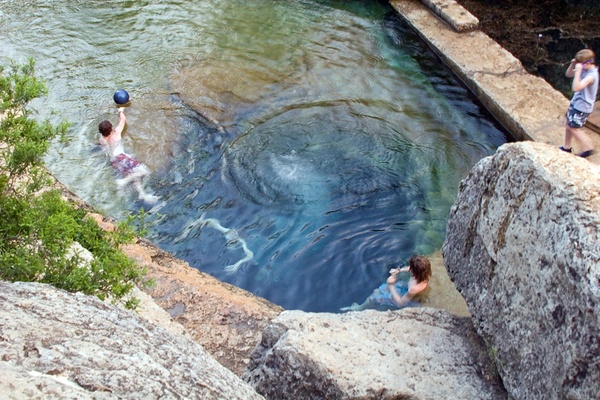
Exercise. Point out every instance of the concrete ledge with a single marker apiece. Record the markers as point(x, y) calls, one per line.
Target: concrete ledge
point(528, 106)
point(593, 121)
point(454, 14)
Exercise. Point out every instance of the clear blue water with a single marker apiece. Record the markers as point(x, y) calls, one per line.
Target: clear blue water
point(344, 138)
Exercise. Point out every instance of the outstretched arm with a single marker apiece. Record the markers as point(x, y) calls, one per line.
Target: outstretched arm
point(395, 271)
point(121, 125)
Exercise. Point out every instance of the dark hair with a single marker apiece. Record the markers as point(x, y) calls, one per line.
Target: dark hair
point(420, 267)
point(105, 128)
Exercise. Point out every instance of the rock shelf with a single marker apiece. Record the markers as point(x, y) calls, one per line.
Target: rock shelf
point(526, 105)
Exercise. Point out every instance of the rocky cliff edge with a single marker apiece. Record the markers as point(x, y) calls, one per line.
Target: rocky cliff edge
point(56, 345)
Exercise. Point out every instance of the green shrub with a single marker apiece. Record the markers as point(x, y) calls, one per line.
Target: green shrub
point(39, 230)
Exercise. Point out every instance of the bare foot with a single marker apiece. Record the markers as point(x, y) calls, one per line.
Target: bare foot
point(353, 307)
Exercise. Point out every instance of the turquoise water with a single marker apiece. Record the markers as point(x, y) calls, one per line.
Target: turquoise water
point(299, 148)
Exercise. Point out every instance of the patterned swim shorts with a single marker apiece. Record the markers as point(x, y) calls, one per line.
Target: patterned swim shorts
point(125, 164)
point(576, 118)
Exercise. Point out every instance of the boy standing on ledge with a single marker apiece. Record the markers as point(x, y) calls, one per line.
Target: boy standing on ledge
point(585, 85)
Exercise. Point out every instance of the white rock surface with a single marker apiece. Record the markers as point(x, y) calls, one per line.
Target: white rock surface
point(418, 353)
point(523, 248)
point(55, 344)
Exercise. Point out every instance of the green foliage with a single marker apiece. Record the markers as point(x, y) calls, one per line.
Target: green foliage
point(40, 232)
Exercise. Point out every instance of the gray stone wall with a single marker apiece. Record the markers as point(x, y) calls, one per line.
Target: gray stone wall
point(522, 246)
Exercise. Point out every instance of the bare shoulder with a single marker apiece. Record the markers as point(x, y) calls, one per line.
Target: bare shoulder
point(414, 287)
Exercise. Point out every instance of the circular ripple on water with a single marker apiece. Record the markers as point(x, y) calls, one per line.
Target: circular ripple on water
point(318, 155)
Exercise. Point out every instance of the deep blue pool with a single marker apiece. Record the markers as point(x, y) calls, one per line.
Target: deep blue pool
point(343, 137)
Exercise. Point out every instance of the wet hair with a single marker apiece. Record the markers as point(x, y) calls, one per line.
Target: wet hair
point(420, 267)
point(585, 55)
point(105, 128)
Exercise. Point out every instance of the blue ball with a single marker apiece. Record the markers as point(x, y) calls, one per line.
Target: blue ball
point(121, 96)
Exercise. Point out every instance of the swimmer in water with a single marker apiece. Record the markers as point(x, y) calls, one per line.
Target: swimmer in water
point(395, 294)
point(128, 168)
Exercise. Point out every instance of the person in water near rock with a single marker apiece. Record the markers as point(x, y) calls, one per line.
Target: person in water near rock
point(130, 169)
point(585, 85)
point(395, 293)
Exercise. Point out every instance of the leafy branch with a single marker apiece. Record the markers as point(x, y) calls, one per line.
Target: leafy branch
point(44, 238)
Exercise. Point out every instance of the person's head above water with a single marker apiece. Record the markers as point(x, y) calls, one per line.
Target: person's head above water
point(420, 268)
point(105, 128)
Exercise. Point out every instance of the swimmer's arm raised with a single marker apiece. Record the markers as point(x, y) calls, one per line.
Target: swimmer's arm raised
point(570, 72)
point(121, 125)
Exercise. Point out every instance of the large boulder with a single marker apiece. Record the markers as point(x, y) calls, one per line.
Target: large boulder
point(522, 247)
point(55, 344)
point(418, 353)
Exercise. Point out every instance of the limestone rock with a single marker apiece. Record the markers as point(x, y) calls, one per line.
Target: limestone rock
point(18, 383)
point(149, 310)
point(227, 321)
point(54, 344)
point(419, 353)
point(522, 247)
point(453, 14)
